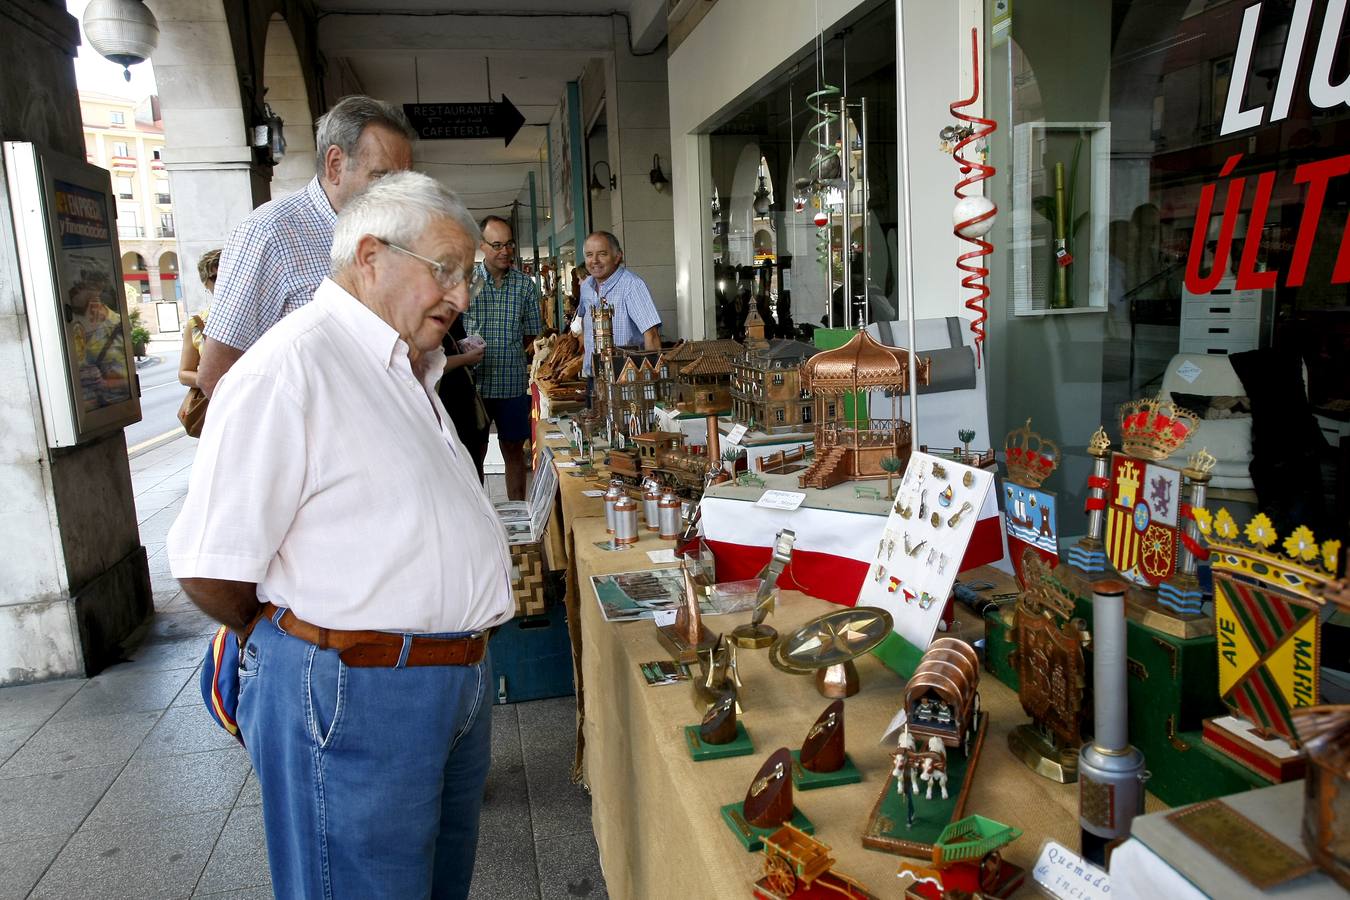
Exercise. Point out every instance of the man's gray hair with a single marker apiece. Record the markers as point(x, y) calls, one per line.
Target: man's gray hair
point(342, 125)
point(397, 208)
point(609, 236)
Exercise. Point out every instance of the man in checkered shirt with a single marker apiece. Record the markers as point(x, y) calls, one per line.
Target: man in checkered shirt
point(636, 322)
point(506, 314)
point(277, 256)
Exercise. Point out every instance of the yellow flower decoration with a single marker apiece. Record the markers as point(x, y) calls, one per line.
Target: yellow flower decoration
point(1203, 520)
point(1301, 544)
point(1261, 531)
point(1224, 526)
point(1330, 550)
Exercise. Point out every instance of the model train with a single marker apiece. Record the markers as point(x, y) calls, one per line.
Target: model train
point(663, 455)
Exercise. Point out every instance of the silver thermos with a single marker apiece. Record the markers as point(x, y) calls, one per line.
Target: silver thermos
point(625, 520)
point(611, 497)
point(668, 513)
point(1111, 773)
point(651, 505)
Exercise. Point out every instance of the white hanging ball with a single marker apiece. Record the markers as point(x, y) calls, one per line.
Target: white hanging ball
point(969, 208)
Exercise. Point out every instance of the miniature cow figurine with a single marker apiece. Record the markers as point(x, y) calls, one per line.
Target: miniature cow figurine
point(934, 767)
point(905, 752)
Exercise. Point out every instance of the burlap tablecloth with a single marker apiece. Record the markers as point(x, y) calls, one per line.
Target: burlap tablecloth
point(656, 811)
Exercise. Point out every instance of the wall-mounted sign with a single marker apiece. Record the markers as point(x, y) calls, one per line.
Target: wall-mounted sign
point(465, 121)
point(72, 286)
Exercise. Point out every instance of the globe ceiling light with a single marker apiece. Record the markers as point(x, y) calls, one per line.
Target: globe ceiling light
point(123, 31)
point(762, 204)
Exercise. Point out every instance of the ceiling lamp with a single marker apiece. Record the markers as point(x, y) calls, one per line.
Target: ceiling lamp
point(123, 31)
point(761, 205)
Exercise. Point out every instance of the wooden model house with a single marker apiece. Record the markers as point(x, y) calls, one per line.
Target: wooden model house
point(701, 371)
point(766, 388)
point(641, 383)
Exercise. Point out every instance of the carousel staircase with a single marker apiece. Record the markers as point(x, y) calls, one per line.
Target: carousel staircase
point(828, 469)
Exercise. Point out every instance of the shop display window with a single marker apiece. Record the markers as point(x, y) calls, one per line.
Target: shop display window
point(1192, 159)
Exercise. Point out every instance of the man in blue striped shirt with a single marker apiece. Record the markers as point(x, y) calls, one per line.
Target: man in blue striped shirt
point(276, 257)
point(636, 321)
point(506, 314)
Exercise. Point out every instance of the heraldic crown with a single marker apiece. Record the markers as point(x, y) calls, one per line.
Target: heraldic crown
point(1154, 428)
point(1031, 458)
point(1305, 567)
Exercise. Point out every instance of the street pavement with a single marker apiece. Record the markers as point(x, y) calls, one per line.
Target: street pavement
point(161, 394)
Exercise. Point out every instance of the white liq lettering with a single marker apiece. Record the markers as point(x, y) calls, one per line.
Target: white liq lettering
point(1235, 118)
point(1293, 52)
point(1321, 91)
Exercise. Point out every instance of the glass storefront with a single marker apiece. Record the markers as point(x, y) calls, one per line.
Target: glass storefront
point(1187, 156)
point(1172, 183)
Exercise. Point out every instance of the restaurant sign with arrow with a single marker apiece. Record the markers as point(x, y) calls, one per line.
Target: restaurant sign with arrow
point(465, 121)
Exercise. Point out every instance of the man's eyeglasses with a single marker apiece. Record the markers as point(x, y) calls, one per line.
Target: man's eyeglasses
point(445, 276)
point(498, 246)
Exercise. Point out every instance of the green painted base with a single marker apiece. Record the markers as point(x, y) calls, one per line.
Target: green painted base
point(887, 828)
point(898, 655)
point(805, 780)
point(741, 746)
point(752, 838)
point(999, 645)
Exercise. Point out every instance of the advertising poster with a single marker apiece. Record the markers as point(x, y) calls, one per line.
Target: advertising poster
point(94, 302)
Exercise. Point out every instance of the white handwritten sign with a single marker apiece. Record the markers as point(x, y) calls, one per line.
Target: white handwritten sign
point(786, 500)
point(663, 617)
point(736, 434)
point(1064, 874)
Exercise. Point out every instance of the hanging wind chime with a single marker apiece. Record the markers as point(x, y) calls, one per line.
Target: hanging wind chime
point(826, 164)
point(974, 212)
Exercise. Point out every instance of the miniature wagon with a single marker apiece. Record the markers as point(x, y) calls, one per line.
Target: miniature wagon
point(793, 858)
point(942, 697)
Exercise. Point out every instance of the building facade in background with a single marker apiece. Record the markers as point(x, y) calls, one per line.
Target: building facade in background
point(127, 138)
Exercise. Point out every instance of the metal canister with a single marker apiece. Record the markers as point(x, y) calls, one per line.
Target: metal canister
point(651, 506)
point(668, 515)
point(1111, 773)
point(625, 520)
point(611, 497)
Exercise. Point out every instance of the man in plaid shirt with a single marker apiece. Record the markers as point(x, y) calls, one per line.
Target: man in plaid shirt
point(276, 257)
point(506, 314)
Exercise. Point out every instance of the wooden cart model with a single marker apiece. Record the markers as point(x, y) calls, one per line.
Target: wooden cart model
point(792, 858)
point(973, 840)
point(942, 697)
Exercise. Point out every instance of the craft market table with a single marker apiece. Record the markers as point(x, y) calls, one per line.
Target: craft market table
point(656, 811)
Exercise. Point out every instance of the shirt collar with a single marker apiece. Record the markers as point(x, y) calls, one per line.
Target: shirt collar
point(487, 276)
point(314, 190)
point(383, 343)
point(612, 280)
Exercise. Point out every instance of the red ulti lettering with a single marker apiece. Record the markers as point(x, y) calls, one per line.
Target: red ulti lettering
point(1247, 276)
point(1195, 283)
point(1317, 175)
point(1341, 274)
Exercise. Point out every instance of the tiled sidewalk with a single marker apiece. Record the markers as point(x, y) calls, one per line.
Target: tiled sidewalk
point(121, 786)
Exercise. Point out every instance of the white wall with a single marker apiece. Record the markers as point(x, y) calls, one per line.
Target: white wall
point(716, 65)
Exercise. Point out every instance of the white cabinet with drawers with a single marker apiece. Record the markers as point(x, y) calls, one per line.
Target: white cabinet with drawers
point(1224, 321)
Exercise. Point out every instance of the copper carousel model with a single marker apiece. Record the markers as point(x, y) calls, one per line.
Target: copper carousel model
point(850, 444)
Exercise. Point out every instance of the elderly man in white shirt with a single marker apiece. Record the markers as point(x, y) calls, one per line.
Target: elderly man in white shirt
point(336, 523)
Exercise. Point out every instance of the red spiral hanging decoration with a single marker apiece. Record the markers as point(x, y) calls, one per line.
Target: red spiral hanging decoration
point(970, 230)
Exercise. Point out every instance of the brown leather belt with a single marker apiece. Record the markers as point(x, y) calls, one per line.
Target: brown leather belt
point(381, 649)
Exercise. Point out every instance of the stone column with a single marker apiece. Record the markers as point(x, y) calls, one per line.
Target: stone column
point(206, 152)
point(637, 114)
point(73, 576)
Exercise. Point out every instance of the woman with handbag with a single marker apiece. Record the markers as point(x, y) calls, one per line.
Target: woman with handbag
point(193, 411)
point(459, 394)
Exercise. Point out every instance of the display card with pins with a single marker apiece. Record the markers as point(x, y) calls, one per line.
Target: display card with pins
point(919, 550)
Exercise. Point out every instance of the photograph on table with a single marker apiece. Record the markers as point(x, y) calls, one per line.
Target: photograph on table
point(920, 549)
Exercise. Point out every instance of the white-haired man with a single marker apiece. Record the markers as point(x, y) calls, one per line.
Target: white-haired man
point(277, 256)
point(336, 523)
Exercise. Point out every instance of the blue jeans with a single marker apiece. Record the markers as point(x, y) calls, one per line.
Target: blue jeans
point(372, 778)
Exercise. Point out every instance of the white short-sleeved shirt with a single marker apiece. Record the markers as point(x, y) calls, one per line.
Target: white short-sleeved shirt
point(328, 474)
